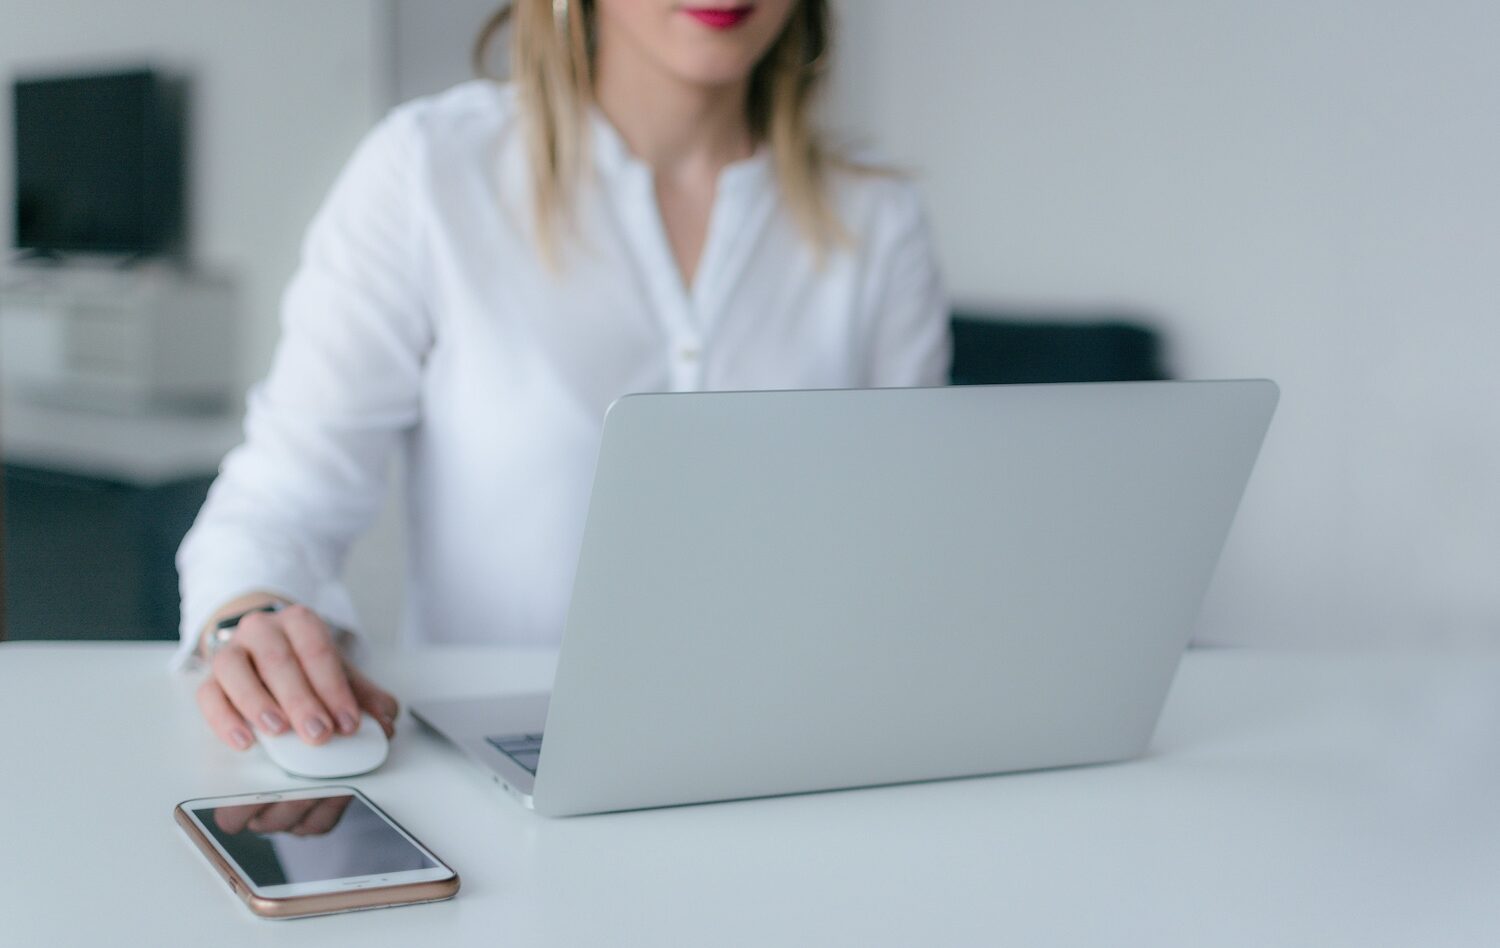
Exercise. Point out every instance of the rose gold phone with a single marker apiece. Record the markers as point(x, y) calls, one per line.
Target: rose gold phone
point(313, 851)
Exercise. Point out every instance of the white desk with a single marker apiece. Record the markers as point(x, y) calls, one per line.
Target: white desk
point(1289, 800)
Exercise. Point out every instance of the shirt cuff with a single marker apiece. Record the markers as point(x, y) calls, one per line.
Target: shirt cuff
point(329, 600)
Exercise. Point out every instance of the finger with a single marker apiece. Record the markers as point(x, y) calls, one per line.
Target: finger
point(381, 704)
point(280, 817)
point(236, 675)
point(321, 662)
point(281, 670)
point(222, 718)
point(232, 819)
point(323, 817)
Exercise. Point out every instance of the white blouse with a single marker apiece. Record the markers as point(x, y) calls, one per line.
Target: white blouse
point(422, 320)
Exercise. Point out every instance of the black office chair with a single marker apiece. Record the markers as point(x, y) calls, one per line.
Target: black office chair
point(1007, 346)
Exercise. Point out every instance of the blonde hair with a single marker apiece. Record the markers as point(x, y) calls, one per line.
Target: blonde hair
point(551, 63)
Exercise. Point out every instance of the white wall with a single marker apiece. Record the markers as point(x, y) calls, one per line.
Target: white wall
point(1308, 191)
point(282, 91)
point(432, 43)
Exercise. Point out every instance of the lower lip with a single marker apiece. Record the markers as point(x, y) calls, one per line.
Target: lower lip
point(718, 19)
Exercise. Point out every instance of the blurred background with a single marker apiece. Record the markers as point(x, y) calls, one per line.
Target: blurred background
point(1304, 191)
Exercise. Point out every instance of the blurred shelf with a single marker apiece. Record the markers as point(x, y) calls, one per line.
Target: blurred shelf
point(143, 450)
point(95, 506)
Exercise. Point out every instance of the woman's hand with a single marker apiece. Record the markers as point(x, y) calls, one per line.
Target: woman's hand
point(284, 669)
point(312, 817)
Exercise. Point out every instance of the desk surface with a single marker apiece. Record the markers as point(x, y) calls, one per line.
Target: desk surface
point(1308, 799)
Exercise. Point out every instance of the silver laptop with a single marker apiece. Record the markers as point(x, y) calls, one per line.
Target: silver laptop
point(783, 592)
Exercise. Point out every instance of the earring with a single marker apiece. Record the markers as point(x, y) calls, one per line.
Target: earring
point(815, 65)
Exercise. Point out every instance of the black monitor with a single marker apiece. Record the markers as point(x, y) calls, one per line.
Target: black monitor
point(99, 164)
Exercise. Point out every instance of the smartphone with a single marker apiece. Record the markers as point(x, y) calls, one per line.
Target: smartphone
point(313, 851)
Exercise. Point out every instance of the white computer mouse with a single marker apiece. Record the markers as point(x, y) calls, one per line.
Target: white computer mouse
point(343, 756)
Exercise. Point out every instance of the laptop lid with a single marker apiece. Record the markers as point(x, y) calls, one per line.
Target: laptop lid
point(782, 592)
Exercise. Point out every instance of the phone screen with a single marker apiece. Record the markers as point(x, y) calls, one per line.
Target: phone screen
point(310, 840)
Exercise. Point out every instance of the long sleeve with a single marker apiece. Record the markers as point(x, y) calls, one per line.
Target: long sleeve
point(909, 337)
point(343, 387)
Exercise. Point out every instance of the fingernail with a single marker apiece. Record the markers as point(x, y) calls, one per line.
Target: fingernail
point(315, 727)
point(272, 722)
point(347, 723)
point(239, 738)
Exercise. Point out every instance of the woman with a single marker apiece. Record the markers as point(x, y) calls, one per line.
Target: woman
point(645, 208)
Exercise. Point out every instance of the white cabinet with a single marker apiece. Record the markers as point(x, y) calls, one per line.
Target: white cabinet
point(117, 340)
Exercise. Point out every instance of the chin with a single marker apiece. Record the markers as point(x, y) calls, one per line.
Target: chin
point(668, 33)
point(717, 57)
point(713, 70)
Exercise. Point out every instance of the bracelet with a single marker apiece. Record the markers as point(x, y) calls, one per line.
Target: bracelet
point(223, 630)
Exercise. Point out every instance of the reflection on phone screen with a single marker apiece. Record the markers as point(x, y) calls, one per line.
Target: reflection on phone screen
point(310, 840)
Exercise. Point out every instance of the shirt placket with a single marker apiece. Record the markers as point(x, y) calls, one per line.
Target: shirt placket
point(669, 298)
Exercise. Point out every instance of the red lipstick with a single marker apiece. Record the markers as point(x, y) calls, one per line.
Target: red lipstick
point(719, 18)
